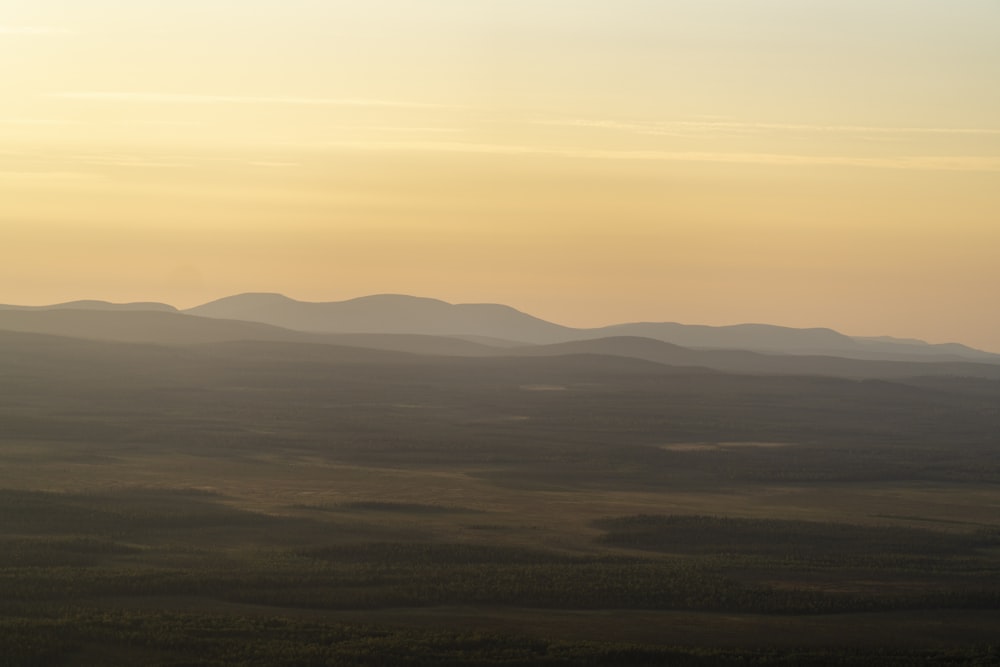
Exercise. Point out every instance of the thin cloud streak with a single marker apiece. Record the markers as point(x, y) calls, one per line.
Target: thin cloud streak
point(687, 128)
point(27, 177)
point(192, 98)
point(923, 163)
point(436, 130)
point(125, 161)
point(273, 165)
point(37, 121)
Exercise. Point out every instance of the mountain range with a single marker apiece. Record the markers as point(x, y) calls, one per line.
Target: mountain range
point(426, 326)
point(392, 313)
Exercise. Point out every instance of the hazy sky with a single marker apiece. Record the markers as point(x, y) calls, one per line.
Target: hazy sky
point(800, 162)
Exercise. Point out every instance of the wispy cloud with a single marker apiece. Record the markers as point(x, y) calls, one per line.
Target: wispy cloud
point(158, 123)
point(702, 127)
point(10, 177)
point(404, 129)
point(924, 163)
point(446, 147)
point(273, 165)
point(34, 30)
point(36, 165)
point(132, 161)
point(192, 98)
point(45, 122)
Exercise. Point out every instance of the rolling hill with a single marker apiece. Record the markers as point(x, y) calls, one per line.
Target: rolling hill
point(399, 314)
point(433, 327)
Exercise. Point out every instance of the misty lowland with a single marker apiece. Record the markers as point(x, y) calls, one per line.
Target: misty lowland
point(398, 480)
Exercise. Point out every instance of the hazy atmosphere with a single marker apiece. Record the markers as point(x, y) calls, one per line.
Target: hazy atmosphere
point(798, 163)
point(499, 333)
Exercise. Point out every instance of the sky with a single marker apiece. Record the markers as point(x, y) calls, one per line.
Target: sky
point(805, 163)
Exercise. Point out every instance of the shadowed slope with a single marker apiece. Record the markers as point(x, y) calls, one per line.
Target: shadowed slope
point(174, 328)
point(741, 361)
point(140, 326)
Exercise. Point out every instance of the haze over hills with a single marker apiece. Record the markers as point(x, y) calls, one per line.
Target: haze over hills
point(138, 326)
point(433, 327)
point(94, 304)
point(759, 363)
point(237, 467)
point(174, 328)
point(388, 313)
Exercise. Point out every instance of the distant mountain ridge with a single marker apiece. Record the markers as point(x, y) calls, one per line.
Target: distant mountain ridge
point(431, 326)
point(93, 304)
point(387, 313)
point(760, 363)
point(401, 314)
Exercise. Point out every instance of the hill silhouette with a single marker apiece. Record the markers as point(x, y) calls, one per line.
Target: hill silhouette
point(757, 363)
point(387, 313)
point(94, 304)
point(430, 326)
point(175, 328)
point(399, 314)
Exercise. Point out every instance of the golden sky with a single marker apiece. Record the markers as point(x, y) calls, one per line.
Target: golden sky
point(799, 162)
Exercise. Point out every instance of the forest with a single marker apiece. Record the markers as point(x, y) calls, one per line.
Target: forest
point(254, 504)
